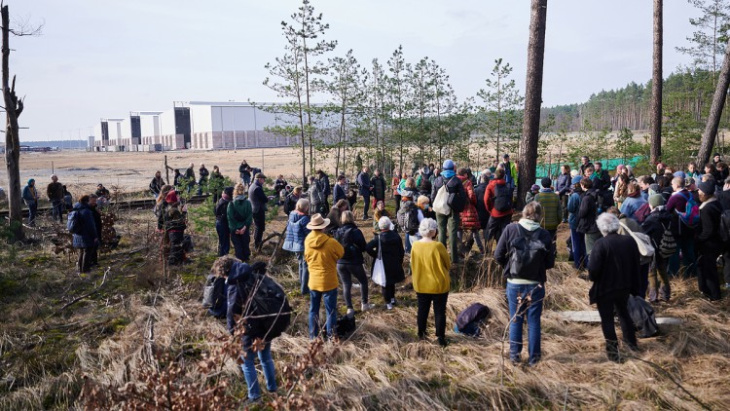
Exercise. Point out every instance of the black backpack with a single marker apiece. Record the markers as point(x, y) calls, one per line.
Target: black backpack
point(526, 252)
point(214, 292)
point(266, 308)
point(725, 225)
point(457, 194)
point(407, 217)
point(642, 315)
point(502, 198)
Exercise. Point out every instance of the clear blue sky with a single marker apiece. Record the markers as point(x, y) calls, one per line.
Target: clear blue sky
point(105, 58)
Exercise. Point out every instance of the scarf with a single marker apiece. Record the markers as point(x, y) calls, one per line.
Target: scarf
point(634, 194)
point(528, 224)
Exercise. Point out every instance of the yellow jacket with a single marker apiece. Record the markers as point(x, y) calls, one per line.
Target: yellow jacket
point(321, 253)
point(430, 264)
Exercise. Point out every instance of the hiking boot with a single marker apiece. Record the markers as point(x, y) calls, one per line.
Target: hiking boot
point(389, 306)
point(612, 351)
point(443, 341)
point(367, 306)
point(350, 312)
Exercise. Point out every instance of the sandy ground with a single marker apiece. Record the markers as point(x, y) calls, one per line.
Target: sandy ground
point(133, 171)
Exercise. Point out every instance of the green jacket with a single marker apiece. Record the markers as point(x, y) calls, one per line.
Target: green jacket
point(240, 213)
point(551, 213)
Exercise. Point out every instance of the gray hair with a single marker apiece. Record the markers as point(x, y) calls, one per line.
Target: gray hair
point(302, 205)
point(607, 223)
point(427, 227)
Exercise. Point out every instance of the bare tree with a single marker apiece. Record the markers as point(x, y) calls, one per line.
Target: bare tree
point(533, 97)
point(13, 109)
point(718, 103)
point(656, 84)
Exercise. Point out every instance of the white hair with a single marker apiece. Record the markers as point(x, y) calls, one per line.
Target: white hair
point(427, 226)
point(607, 223)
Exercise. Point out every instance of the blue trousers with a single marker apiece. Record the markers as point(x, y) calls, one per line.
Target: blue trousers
point(532, 314)
point(303, 273)
point(249, 371)
point(330, 308)
point(578, 242)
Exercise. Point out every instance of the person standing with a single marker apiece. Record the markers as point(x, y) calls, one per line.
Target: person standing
point(215, 184)
point(585, 162)
point(175, 224)
point(390, 247)
point(526, 283)
point(321, 253)
point(510, 172)
point(221, 222)
point(296, 232)
point(633, 200)
point(258, 200)
point(577, 238)
point(316, 196)
point(351, 263)
point(190, 177)
point(550, 202)
point(156, 183)
point(394, 184)
point(203, 174)
point(378, 188)
point(482, 211)
point(339, 192)
point(244, 170)
point(709, 241)
point(469, 219)
point(614, 270)
point(365, 188)
point(563, 187)
point(177, 179)
point(30, 198)
point(84, 236)
point(655, 224)
point(240, 216)
point(677, 202)
point(587, 215)
point(498, 202)
point(723, 196)
point(430, 265)
point(449, 223)
point(324, 184)
point(55, 196)
point(94, 251)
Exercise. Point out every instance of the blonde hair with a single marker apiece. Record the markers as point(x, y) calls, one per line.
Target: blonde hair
point(422, 201)
point(239, 190)
point(347, 217)
point(222, 265)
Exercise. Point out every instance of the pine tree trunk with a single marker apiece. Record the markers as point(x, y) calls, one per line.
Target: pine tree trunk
point(718, 103)
point(533, 98)
point(656, 85)
point(12, 140)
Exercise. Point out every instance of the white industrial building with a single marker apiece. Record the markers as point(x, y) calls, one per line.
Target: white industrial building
point(197, 125)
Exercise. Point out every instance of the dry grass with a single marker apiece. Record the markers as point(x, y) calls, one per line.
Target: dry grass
point(381, 366)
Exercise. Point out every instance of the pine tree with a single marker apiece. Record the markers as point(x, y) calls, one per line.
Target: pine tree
point(708, 41)
point(501, 113)
point(398, 100)
point(344, 87)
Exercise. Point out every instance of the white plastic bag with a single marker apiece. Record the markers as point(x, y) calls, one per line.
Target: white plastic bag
point(379, 267)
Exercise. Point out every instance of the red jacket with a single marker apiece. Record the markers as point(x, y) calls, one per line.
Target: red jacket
point(469, 217)
point(489, 199)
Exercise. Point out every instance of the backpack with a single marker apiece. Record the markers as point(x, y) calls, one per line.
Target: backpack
point(407, 217)
point(502, 198)
point(691, 215)
point(642, 315)
point(457, 199)
point(214, 292)
point(74, 224)
point(526, 252)
point(265, 304)
point(345, 326)
point(668, 246)
point(643, 241)
point(441, 202)
point(725, 225)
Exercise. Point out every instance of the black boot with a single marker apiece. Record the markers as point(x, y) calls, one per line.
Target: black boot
point(612, 351)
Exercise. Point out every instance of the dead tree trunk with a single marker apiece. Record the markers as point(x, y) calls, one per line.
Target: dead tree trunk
point(13, 108)
point(718, 103)
point(656, 86)
point(533, 98)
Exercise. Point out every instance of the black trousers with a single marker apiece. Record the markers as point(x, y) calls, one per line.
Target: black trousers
point(177, 253)
point(496, 225)
point(366, 206)
point(389, 293)
point(397, 198)
point(439, 312)
point(726, 268)
point(707, 277)
point(609, 304)
point(259, 222)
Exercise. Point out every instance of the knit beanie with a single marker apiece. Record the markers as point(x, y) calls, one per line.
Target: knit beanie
point(448, 165)
point(656, 200)
point(172, 198)
point(707, 187)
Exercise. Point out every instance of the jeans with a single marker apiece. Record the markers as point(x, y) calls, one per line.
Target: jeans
point(303, 273)
point(533, 311)
point(408, 244)
point(57, 210)
point(241, 245)
point(330, 309)
point(578, 242)
point(246, 178)
point(449, 225)
point(707, 279)
point(346, 272)
point(439, 313)
point(366, 205)
point(32, 212)
point(606, 305)
point(687, 248)
point(659, 288)
point(249, 371)
point(259, 224)
point(224, 238)
point(591, 239)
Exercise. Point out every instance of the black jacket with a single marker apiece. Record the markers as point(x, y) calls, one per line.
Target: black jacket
point(656, 223)
point(338, 194)
point(258, 198)
point(425, 188)
point(724, 198)
point(614, 266)
point(709, 239)
point(156, 184)
point(378, 184)
point(503, 250)
point(482, 211)
point(221, 211)
point(353, 242)
point(587, 212)
point(393, 253)
point(325, 184)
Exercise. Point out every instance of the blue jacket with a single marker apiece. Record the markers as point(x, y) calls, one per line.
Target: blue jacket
point(630, 205)
point(363, 180)
point(236, 278)
point(573, 208)
point(562, 186)
point(28, 196)
point(339, 194)
point(296, 232)
point(87, 238)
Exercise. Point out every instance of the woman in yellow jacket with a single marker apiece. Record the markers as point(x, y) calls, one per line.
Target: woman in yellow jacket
point(321, 253)
point(430, 264)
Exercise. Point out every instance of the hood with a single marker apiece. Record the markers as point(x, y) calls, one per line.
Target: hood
point(239, 272)
point(546, 190)
point(241, 197)
point(316, 240)
point(529, 225)
point(294, 216)
point(448, 173)
point(80, 206)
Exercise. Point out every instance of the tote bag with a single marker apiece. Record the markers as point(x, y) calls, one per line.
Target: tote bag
point(379, 267)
